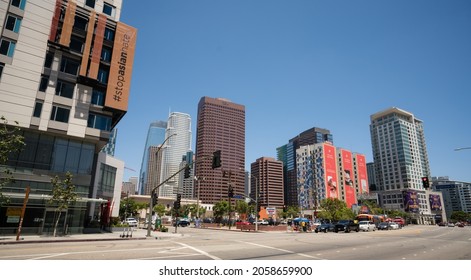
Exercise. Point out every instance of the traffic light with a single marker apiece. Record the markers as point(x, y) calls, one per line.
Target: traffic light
point(231, 192)
point(177, 202)
point(216, 159)
point(187, 172)
point(155, 198)
point(425, 182)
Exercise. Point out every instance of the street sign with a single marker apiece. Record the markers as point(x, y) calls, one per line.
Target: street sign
point(238, 196)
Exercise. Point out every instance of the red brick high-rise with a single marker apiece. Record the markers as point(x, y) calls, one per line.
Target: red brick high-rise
point(220, 126)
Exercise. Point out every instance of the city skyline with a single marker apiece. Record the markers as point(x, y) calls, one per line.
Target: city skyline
point(306, 64)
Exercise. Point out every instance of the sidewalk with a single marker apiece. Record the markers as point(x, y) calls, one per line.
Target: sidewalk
point(136, 234)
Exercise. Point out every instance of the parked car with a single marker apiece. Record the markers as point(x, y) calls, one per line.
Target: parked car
point(393, 225)
point(383, 226)
point(441, 224)
point(261, 222)
point(325, 227)
point(346, 226)
point(367, 226)
point(130, 222)
point(243, 223)
point(451, 224)
point(182, 223)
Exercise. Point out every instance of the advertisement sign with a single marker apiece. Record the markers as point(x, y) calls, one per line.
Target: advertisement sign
point(119, 82)
point(362, 174)
point(348, 178)
point(330, 171)
point(411, 201)
point(435, 202)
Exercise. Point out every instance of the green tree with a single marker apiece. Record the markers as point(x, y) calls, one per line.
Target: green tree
point(459, 216)
point(373, 207)
point(220, 209)
point(63, 195)
point(335, 209)
point(242, 207)
point(11, 142)
point(291, 212)
point(128, 207)
point(160, 209)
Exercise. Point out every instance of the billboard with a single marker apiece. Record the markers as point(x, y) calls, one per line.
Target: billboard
point(435, 202)
point(362, 174)
point(330, 168)
point(347, 170)
point(411, 201)
point(119, 83)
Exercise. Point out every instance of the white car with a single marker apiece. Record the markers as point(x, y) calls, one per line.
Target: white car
point(393, 225)
point(367, 226)
point(130, 222)
point(262, 222)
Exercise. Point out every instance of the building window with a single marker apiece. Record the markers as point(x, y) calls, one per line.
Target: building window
point(60, 114)
point(2, 65)
point(37, 109)
point(99, 122)
point(90, 3)
point(80, 23)
point(43, 84)
point(7, 47)
point(108, 9)
point(108, 178)
point(103, 75)
point(109, 34)
point(69, 66)
point(106, 54)
point(48, 60)
point(65, 89)
point(76, 44)
point(98, 97)
point(13, 23)
point(19, 3)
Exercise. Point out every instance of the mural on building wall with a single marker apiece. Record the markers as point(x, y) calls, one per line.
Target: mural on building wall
point(362, 174)
point(435, 202)
point(411, 201)
point(348, 184)
point(330, 171)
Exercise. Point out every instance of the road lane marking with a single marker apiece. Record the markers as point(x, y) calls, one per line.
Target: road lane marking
point(281, 250)
point(198, 250)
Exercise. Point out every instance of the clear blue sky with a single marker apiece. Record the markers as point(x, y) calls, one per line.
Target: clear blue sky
point(297, 64)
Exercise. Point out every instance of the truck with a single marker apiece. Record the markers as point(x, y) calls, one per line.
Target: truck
point(347, 226)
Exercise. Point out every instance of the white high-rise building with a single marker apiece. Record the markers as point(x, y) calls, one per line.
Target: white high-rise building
point(177, 146)
point(400, 162)
point(399, 150)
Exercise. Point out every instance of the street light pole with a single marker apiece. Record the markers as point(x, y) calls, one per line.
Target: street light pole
point(464, 148)
point(198, 197)
point(151, 206)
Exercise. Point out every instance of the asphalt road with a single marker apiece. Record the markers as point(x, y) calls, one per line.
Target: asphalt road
point(410, 243)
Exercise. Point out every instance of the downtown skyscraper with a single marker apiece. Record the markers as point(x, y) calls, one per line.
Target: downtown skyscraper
point(155, 137)
point(220, 126)
point(177, 146)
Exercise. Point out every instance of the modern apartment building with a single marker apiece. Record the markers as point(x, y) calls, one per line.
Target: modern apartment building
point(456, 195)
point(400, 162)
point(65, 73)
point(178, 135)
point(287, 154)
point(220, 126)
point(267, 177)
point(324, 171)
point(155, 137)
